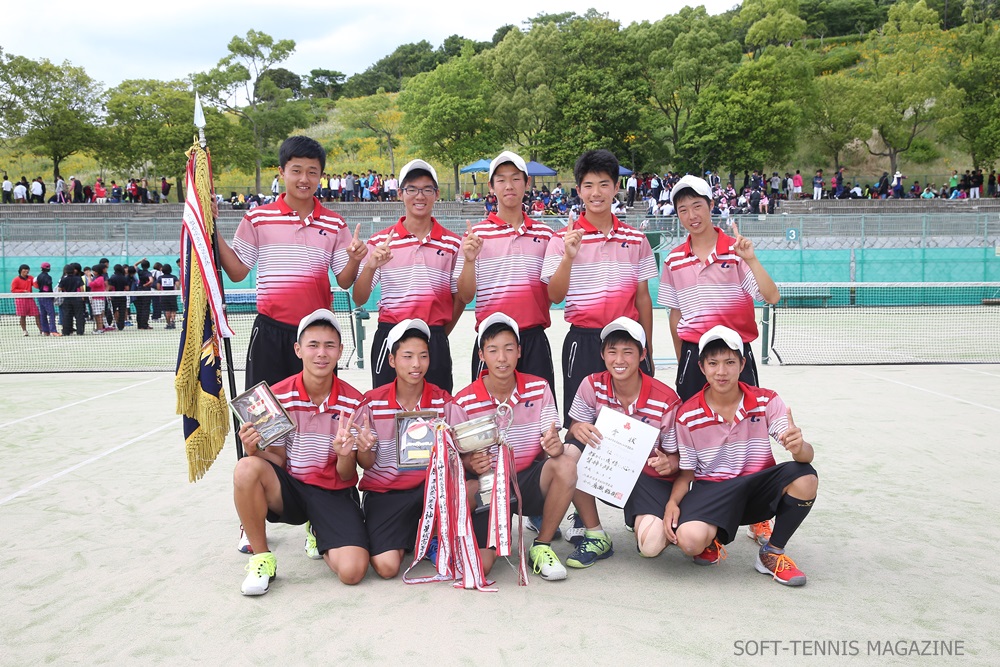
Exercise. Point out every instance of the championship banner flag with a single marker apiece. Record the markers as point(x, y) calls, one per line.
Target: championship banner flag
point(201, 398)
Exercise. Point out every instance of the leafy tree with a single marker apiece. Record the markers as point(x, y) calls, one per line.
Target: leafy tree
point(284, 79)
point(522, 71)
point(502, 32)
point(447, 112)
point(684, 55)
point(326, 83)
point(905, 87)
point(599, 94)
point(13, 73)
point(976, 128)
point(60, 107)
point(830, 114)
point(389, 72)
point(378, 114)
point(239, 85)
point(771, 22)
point(753, 122)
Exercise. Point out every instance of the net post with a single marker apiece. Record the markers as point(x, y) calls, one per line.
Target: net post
point(360, 315)
point(765, 326)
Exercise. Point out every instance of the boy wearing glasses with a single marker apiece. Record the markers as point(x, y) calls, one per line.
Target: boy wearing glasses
point(414, 262)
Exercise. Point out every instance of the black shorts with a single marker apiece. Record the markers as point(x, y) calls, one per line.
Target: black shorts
point(271, 352)
point(740, 501)
point(168, 304)
point(392, 518)
point(690, 379)
point(649, 496)
point(529, 482)
point(335, 515)
point(536, 357)
point(439, 372)
point(581, 356)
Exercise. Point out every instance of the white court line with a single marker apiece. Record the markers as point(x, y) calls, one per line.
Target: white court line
point(979, 372)
point(43, 482)
point(936, 393)
point(69, 405)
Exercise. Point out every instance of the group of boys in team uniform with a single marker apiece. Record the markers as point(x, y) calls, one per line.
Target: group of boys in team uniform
point(711, 469)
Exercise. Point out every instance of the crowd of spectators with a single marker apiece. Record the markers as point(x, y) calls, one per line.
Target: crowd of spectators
point(110, 297)
point(135, 190)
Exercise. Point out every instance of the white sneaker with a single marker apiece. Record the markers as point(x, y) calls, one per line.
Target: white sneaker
point(311, 550)
point(574, 534)
point(261, 571)
point(244, 545)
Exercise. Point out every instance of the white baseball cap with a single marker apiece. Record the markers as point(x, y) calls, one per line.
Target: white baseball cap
point(500, 318)
point(504, 158)
point(699, 185)
point(732, 339)
point(318, 315)
point(629, 326)
point(397, 331)
point(417, 164)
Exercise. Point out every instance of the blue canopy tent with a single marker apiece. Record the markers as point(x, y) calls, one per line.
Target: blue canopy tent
point(477, 166)
point(624, 171)
point(539, 169)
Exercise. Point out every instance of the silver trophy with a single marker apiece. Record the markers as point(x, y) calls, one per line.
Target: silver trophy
point(483, 433)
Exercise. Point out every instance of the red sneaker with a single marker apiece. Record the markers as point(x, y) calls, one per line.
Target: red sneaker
point(712, 554)
point(759, 532)
point(781, 568)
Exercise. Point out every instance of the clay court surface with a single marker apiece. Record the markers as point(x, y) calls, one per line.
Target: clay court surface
point(111, 556)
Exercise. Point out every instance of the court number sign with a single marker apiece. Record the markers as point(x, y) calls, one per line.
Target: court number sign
point(792, 234)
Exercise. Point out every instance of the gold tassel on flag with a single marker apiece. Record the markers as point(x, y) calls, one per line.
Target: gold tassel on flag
point(200, 394)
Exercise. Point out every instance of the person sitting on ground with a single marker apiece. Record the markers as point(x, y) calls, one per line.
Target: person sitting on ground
point(723, 435)
point(309, 475)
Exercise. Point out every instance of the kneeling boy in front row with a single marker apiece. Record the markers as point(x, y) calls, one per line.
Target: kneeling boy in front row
point(311, 474)
point(394, 498)
point(545, 477)
point(723, 437)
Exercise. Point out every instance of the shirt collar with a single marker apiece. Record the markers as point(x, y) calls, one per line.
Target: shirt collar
point(748, 403)
point(520, 386)
point(526, 222)
point(425, 398)
point(723, 243)
point(589, 228)
point(436, 234)
point(288, 210)
point(327, 404)
point(644, 390)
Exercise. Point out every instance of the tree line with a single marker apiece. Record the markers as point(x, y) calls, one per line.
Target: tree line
point(690, 91)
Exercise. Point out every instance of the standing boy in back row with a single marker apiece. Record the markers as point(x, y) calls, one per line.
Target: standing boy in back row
point(601, 267)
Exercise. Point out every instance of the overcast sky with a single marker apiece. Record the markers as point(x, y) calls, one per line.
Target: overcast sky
point(173, 38)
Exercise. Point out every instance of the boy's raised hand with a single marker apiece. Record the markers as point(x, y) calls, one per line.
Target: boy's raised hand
point(573, 240)
point(791, 439)
point(382, 254)
point(343, 444)
point(664, 464)
point(358, 248)
point(472, 245)
point(743, 246)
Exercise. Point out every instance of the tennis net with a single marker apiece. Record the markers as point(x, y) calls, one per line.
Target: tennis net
point(128, 349)
point(885, 323)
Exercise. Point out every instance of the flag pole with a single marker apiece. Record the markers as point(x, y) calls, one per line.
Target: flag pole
point(199, 122)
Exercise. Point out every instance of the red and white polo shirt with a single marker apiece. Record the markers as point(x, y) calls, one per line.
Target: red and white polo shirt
point(509, 271)
point(309, 448)
point(717, 450)
point(657, 406)
point(606, 272)
point(381, 406)
point(293, 257)
point(419, 280)
point(534, 413)
point(720, 290)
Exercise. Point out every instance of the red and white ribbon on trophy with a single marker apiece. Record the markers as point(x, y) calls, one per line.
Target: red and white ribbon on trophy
point(446, 512)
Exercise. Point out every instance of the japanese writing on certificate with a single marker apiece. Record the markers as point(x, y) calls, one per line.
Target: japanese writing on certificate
point(609, 472)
